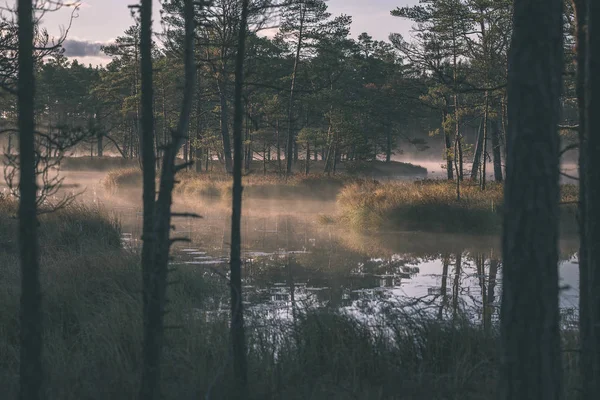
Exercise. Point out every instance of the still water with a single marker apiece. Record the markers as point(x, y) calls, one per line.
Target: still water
point(293, 261)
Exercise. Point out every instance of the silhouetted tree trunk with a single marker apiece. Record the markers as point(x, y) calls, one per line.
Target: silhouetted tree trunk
point(150, 367)
point(238, 337)
point(198, 148)
point(225, 126)
point(530, 337)
point(448, 143)
point(592, 196)
point(587, 345)
point(307, 165)
point(278, 145)
point(155, 295)
point(478, 151)
point(100, 143)
point(456, 160)
point(31, 373)
point(497, 151)
point(388, 148)
point(485, 142)
point(265, 158)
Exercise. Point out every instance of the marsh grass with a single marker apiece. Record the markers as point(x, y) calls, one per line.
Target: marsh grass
point(122, 178)
point(432, 206)
point(93, 333)
point(313, 186)
point(217, 186)
point(71, 229)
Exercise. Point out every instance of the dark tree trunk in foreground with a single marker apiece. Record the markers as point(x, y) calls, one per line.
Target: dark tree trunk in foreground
point(30, 378)
point(587, 377)
point(530, 337)
point(592, 198)
point(238, 336)
point(162, 213)
point(151, 352)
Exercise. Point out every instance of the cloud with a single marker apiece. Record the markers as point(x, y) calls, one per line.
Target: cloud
point(82, 48)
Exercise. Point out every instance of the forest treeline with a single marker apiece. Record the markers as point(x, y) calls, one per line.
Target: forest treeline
point(312, 91)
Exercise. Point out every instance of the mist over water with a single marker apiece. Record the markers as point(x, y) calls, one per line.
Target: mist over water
point(293, 261)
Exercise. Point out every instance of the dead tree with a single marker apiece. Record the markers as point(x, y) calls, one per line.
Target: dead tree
point(530, 336)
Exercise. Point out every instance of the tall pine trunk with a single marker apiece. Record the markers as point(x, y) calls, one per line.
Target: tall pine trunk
point(485, 142)
point(592, 195)
point(150, 366)
point(155, 291)
point(238, 336)
point(497, 151)
point(530, 335)
point(30, 370)
point(586, 369)
point(225, 126)
point(278, 146)
point(307, 165)
point(478, 150)
point(100, 142)
point(448, 148)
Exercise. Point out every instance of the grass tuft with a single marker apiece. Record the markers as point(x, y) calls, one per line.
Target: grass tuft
point(432, 206)
point(120, 178)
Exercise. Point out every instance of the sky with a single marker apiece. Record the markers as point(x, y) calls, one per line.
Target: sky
point(101, 21)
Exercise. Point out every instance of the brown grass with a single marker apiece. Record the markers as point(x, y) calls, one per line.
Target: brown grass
point(121, 178)
point(433, 206)
point(93, 334)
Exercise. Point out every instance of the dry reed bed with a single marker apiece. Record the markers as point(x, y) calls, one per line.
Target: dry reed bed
point(433, 206)
point(217, 186)
point(122, 178)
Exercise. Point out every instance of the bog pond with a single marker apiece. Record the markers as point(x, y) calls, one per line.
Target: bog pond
point(294, 261)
